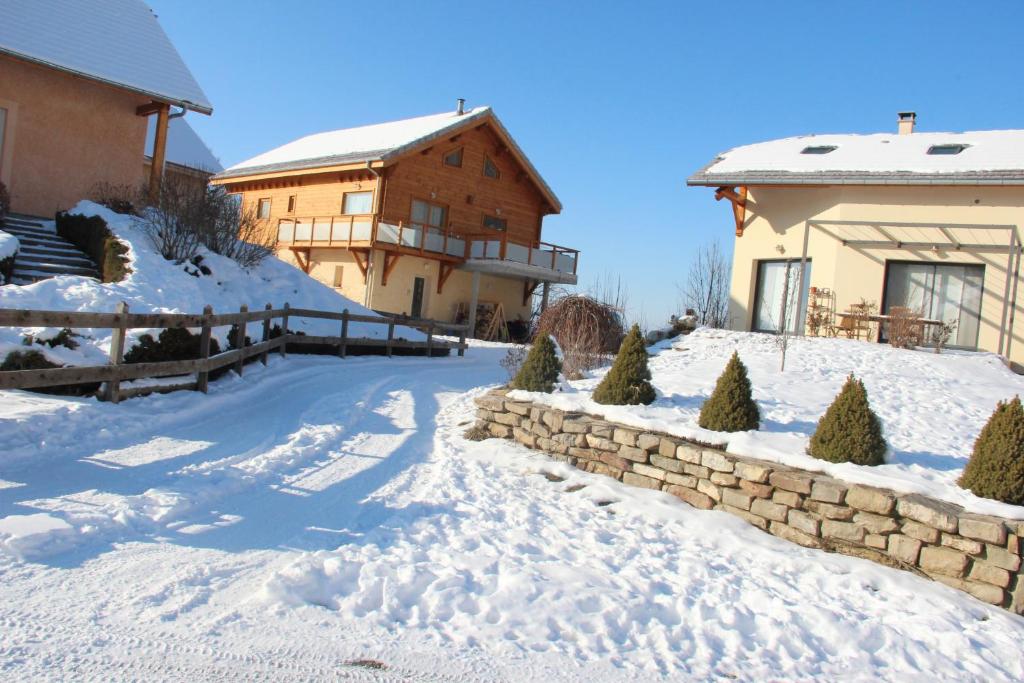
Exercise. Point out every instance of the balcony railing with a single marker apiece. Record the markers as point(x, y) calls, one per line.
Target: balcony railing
point(367, 230)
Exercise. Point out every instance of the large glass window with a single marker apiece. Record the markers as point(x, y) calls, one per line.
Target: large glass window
point(357, 203)
point(263, 208)
point(495, 223)
point(425, 213)
point(778, 284)
point(945, 292)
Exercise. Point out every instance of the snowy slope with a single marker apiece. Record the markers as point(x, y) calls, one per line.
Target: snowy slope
point(8, 245)
point(159, 285)
point(231, 537)
point(932, 406)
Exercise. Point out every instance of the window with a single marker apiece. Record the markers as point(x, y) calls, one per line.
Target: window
point(339, 271)
point(939, 292)
point(425, 213)
point(454, 158)
point(495, 223)
point(291, 204)
point(3, 128)
point(263, 208)
point(357, 203)
point(490, 170)
point(777, 285)
point(818, 149)
point(947, 149)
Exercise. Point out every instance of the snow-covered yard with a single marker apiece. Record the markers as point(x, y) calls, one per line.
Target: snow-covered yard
point(321, 515)
point(932, 406)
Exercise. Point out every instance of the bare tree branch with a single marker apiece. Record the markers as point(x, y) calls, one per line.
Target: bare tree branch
point(706, 292)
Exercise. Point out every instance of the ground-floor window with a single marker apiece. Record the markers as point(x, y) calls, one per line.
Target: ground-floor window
point(778, 283)
point(940, 291)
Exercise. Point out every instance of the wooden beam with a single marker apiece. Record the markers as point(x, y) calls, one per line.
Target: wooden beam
point(390, 261)
point(529, 287)
point(362, 259)
point(147, 109)
point(445, 271)
point(304, 264)
point(156, 170)
point(739, 204)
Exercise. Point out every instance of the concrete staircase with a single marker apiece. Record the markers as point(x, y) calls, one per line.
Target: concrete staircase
point(43, 253)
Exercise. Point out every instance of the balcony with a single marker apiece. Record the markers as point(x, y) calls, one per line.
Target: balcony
point(490, 252)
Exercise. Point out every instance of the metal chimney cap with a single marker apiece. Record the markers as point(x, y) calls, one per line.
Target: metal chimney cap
point(460, 106)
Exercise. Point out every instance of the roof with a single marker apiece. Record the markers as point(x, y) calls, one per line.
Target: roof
point(184, 146)
point(377, 142)
point(991, 157)
point(119, 42)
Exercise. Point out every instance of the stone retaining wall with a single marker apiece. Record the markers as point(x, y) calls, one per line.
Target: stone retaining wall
point(974, 553)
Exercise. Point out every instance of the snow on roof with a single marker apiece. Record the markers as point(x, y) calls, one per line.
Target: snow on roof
point(184, 146)
point(350, 145)
point(992, 156)
point(114, 41)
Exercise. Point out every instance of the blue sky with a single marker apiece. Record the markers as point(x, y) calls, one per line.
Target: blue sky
point(615, 103)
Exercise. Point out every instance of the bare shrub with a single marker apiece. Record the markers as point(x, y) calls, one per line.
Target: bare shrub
point(588, 332)
point(940, 335)
point(126, 199)
point(5, 201)
point(513, 360)
point(707, 286)
point(904, 327)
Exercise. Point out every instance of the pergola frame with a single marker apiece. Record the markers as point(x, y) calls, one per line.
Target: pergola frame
point(947, 243)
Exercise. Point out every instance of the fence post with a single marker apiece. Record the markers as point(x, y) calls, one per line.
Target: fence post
point(343, 347)
point(462, 342)
point(284, 331)
point(430, 338)
point(266, 334)
point(391, 335)
point(203, 379)
point(117, 351)
point(240, 341)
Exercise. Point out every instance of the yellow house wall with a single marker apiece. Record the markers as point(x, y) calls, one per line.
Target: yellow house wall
point(776, 219)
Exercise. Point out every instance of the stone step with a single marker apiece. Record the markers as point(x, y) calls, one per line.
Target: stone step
point(50, 249)
point(41, 272)
point(21, 223)
point(30, 232)
point(53, 242)
point(26, 257)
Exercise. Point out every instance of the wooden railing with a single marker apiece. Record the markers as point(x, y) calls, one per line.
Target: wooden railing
point(367, 230)
point(117, 371)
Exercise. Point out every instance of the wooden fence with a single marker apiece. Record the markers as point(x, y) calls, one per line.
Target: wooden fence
point(117, 371)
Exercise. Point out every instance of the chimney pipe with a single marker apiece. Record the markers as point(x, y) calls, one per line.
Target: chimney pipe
point(460, 107)
point(905, 122)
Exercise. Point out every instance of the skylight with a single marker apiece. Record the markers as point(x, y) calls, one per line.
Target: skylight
point(947, 149)
point(818, 149)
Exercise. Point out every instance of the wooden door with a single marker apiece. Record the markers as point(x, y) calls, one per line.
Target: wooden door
point(418, 286)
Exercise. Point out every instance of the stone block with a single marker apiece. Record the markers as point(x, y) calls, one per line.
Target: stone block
point(870, 499)
point(1013, 543)
point(694, 498)
point(964, 545)
point(828, 510)
point(989, 573)
point(752, 471)
point(793, 535)
point(553, 419)
point(648, 442)
point(827, 490)
point(576, 426)
point(524, 437)
point(633, 453)
point(648, 471)
point(601, 468)
point(1015, 595)
point(797, 482)
point(612, 460)
point(769, 510)
point(983, 591)
point(875, 541)
point(944, 561)
point(493, 402)
point(640, 480)
point(681, 480)
point(626, 437)
point(788, 498)
point(941, 516)
point(723, 479)
point(756, 489)
point(1001, 557)
point(544, 443)
point(876, 524)
point(518, 408)
point(601, 429)
point(743, 514)
point(697, 471)
point(737, 498)
point(484, 415)
point(667, 464)
point(580, 440)
point(539, 429)
point(667, 448)
point(499, 430)
point(846, 531)
point(536, 414)
point(920, 531)
point(583, 453)
point(709, 489)
point(510, 419)
point(983, 528)
point(804, 522)
point(527, 425)
point(904, 548)
point(689, 453)
point(717, 461)
point(595, 441)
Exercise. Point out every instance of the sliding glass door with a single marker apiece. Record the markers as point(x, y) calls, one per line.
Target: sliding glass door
point(946, 292)
point(778, 283)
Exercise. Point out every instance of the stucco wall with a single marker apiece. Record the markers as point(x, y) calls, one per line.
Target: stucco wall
point(65, 134)
point(776, 219)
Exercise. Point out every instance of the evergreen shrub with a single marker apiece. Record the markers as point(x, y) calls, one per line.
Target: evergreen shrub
point(849, 431)
point(540, 370)
point(731, 407)
point(629, 380)
point(996, 467)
